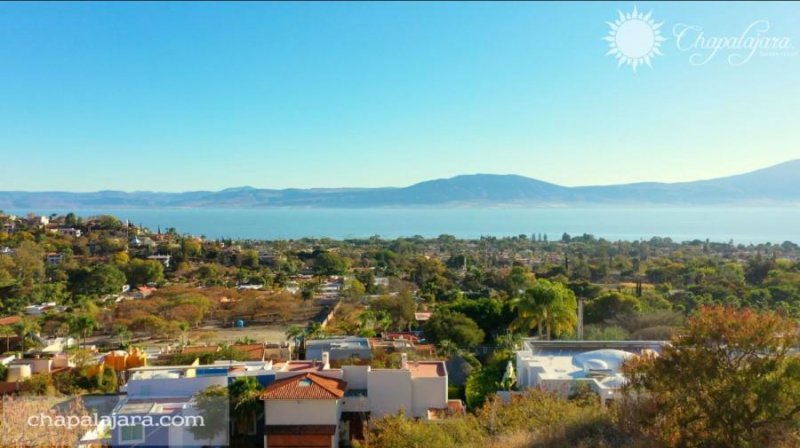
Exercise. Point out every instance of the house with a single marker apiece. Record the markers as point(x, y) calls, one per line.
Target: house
point(54, 259)
point(422, 316)
point(306, 403)
point(560, 366)
point(69, 231)
point(38, 310)
point(21, 369)
point(170, 391)
point(340, 348)
point(163, 259)
point(416, 388)
point(303, 410)
point(278, 351)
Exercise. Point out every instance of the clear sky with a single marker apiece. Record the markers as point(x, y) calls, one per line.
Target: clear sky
point(176, 96)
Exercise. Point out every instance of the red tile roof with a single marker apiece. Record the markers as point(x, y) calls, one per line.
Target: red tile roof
point(254, 352)
point(10, 320)
point(308, 386)
point(327, 430)
point(200, 349)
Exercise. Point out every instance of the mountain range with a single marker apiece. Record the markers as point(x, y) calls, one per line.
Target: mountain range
point(775, 185)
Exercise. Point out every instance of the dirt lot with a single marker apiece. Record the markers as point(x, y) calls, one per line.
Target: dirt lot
point(260, 333)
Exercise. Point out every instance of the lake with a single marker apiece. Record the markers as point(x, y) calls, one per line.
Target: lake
point(745, 225)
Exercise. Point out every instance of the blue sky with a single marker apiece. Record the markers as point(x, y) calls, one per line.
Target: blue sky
point(177, 96)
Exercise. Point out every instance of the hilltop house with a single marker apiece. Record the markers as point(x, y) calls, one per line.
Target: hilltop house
point(559, 366)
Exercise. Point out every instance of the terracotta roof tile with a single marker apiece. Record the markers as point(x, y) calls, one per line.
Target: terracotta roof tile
point(200, 349)
point(327, 430)
point(308, 386)
point(10, 320)
point(254, 352)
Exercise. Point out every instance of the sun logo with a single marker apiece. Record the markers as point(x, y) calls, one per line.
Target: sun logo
point(634, 38)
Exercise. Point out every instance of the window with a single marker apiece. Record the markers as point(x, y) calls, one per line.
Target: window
point(131, 434)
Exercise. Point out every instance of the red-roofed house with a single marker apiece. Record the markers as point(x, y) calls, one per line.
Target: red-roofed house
point(303, 411)
point(10, 320)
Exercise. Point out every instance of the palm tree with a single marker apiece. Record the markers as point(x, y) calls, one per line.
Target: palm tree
point(6, 332)
point(123, 334)
point(549, 307)
point(83, 325)
point(313, 330)
point(383, 320)
point(25, 327)
point(184, 327)
point(296, 333)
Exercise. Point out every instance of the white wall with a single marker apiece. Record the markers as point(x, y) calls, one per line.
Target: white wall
point(356, 376)
point(332, 373)
point(301, 412)
point(389, 391)
point(173, 387)
point(429, 392)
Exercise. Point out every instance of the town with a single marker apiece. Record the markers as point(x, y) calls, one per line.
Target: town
point(326, 343)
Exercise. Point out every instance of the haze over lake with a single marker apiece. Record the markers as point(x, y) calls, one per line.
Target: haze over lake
point(743, 224)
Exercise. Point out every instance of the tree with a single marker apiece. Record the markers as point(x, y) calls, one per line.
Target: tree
point(329, 263)
point(399, 308)
point(141, 272)
point(212, 405)
point(295, 333)
point(492, 315)
point(103, 279)
point(7, 332)
point(25, 328)
point(455, 327)
point(123, 334)
point(243, 392)
point(730, 380)
point(550, 307)
point(609, 305)
point(83, 325)
point(29, 263)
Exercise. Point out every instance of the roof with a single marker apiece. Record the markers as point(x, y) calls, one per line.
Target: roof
point(425, 369)
point(308, 386)
point(327, 430)
point(200, 349)
point(254, 352)
point(454, 407)
point(338, 343)
point(299, 366)
point(10, 320)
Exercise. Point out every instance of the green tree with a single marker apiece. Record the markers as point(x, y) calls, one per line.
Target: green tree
point(100, 280)
point(83, 325)
point(609, 305)
point(455, 327)
point(329, 263)
point(7, 332)
point(29, 263)
point(24, 329)
point(548, 306)
point(141, 272)
point(212, 404)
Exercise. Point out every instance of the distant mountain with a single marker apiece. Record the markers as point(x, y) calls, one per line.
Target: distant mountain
point(776, 185)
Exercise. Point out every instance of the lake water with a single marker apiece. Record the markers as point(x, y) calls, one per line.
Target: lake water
point(743, 225)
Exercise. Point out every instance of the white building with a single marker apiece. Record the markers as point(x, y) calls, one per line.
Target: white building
point(560, 366)
point(303, 410)
point(69, 231)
